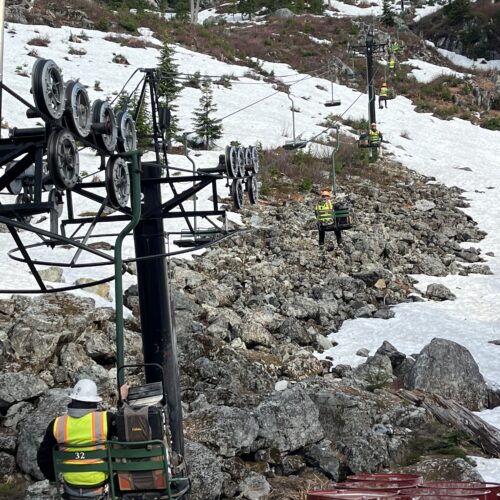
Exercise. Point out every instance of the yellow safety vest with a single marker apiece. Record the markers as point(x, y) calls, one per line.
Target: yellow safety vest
point(384, 92)
point(392, 64)
point(324, 211)
point(395, 47)
point(90, 428)
point(374, 136)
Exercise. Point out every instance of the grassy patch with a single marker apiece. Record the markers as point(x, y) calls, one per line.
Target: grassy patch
point(439, 441)
point(39, 41)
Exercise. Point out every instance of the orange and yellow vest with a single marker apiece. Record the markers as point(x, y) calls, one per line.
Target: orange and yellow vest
point(90, 428)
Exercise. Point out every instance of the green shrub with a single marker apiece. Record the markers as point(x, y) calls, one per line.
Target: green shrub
point(306, 184)
point(491, 123)
point(127, 20)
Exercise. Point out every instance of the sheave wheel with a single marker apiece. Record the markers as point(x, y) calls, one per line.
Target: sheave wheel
point(231, 161)
point(253, 189)
point(240, 152)
point(48, 88)
point(237, 193)
point(103, 115)
point(62, 160)
point(79, 110)
point(127, 134)
point(117, 180)
point(255, 159)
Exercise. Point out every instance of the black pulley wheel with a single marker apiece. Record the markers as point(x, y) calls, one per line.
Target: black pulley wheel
point(248, 159)
point(240, 152)
point(48, 88)
point(55, 197)
point(231, 161)
point(255, 159)
point(62, 159)
point(117, 181)
point(104, 124)
point(127, 134)
point(237, 193)
point(78, 108)
point(253, 189)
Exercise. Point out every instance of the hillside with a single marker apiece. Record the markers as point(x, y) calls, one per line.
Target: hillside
point(291, 356)
point(470, 29)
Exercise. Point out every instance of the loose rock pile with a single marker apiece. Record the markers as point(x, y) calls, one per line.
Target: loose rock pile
point(264, 418)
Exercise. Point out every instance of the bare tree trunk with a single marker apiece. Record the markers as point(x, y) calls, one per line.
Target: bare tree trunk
point(449, 412)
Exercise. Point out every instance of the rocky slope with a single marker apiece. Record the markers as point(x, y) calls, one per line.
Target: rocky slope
point(264, 418)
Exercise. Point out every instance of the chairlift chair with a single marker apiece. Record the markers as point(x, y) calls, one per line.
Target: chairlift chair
point(296, 143)
point(332, 102)
point(198, 237)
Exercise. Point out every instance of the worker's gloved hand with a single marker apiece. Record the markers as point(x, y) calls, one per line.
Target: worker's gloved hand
point(124, 391)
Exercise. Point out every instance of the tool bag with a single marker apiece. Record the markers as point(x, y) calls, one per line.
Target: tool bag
point(141, 424)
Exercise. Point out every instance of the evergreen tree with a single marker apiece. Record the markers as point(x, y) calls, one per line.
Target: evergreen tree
point(247, 7)
point(207, 127)
point(182, 10)
point(457, 11)
point(143, 123)
point(316, 7)
point(168, 89)
point(387, 14)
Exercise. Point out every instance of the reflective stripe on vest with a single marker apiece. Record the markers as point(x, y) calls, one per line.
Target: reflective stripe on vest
point(90, 428)
point(324, 210)
point(384, 92)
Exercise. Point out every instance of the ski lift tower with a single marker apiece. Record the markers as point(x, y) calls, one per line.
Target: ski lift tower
point(368, 49)
point(42, 173)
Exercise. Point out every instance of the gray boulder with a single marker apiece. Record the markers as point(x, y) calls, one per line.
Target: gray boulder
point(16, 387)
point(393, 354)
point(33, 428)
point(288, 420)
point(436, 291)
point(448, 369)
point(7, 464)
point(323, 456)
point(283, 13)
point(228, 430)
point(254, 487)
point(206, 475)
point(40, 489)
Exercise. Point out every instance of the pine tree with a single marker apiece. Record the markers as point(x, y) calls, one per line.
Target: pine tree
point(168, 89)
point(387, 13)
point(182, 10)
point(316, 7)
point(247, 7)
point(207, 127)
point(143, 123)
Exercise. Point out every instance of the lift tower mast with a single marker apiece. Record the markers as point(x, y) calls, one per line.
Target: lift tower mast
point(368, 49)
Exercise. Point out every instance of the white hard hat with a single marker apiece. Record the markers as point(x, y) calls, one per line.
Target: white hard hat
point(85, 390)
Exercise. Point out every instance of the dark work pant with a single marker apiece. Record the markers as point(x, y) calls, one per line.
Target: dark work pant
point(380, 100)
point(322, 233)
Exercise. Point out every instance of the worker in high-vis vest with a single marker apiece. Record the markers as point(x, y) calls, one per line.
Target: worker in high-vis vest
point(384, 95)
point(84, 423)
point(325, 215)
point(375, 136)
point(392, 63)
